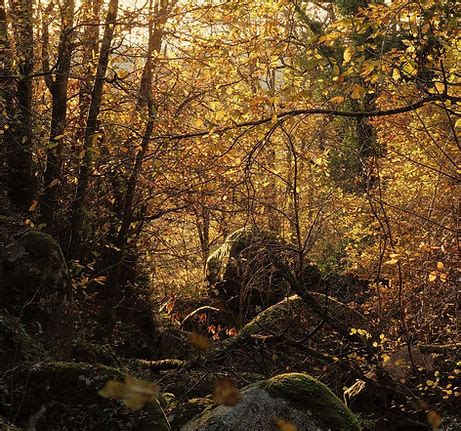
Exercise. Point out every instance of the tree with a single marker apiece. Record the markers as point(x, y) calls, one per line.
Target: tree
point(58, 88)
point(78, 206)
point(17, 96)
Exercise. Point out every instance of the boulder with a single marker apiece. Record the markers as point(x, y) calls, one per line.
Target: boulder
point(35, 284)
point(184, 411)
point(16, 345)
point(92, 352)
point(63, 395)
point(246, 271)
point(400, 364)
point(294, 398)
point(266, 345)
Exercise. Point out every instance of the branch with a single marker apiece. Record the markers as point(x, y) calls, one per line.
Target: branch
point(160, 213)
point(281, 116)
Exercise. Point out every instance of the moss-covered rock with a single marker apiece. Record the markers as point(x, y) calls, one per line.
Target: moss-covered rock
point(34, 282)
point(16, 345)
point(292, 313)
point(67, 396)
point(274, 317)
point(303, 391)
point(182, 412)
point(245, 272)
point(294, 398)
point(91, 352)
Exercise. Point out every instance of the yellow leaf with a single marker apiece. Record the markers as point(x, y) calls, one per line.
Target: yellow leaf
point(440, 87)
point(59, 137)
point(199, 341)
point(395, 74)
point(226, 393)
point(199, 123)
point(284, 425)
point(337, 100)
point(409, 69)
point(220, 115)
point(357, 91)
point(391, 262)
point(367, 68)
point(134, 393)
point(433, 419)
point(348, 52)
point(385, 357)
point(432, 276)
point(440, 266)
point(443, 277)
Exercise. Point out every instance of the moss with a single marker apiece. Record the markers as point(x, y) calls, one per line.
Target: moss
point(272, 316)
point(16, 344)
point(184, 411)
point(40, 244)
point(86, 351)
point(35, 284)
point(307, 393)
point(69, 392)
point(5, 426)
point(6, 219)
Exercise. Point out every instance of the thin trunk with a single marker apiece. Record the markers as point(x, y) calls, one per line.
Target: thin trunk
point(58, 89)
point(78, 206)
point(5, 69)
point(203, 228)
point(90, 37)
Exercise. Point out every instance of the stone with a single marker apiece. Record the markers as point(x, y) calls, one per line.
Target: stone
point(247, 271)
point(16, 345)
point(35, 284)
point(294, 398)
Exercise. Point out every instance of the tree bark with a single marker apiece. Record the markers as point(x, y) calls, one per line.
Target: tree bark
point(21, 179)
point(78, 205)
point(158, 15)
point(58, 89)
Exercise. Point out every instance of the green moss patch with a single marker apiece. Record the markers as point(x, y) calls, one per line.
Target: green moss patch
point(308, 394)
point(16, 344)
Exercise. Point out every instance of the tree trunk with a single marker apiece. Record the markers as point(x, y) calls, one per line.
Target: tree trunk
point(78, 206)
point(158, 15)
point(58, 89)
point(90, 37)
point(21, 179)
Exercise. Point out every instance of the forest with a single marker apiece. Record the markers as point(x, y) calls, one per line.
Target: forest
point(230, 215)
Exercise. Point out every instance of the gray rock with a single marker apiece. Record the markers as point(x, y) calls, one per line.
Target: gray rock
point(294, 398)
